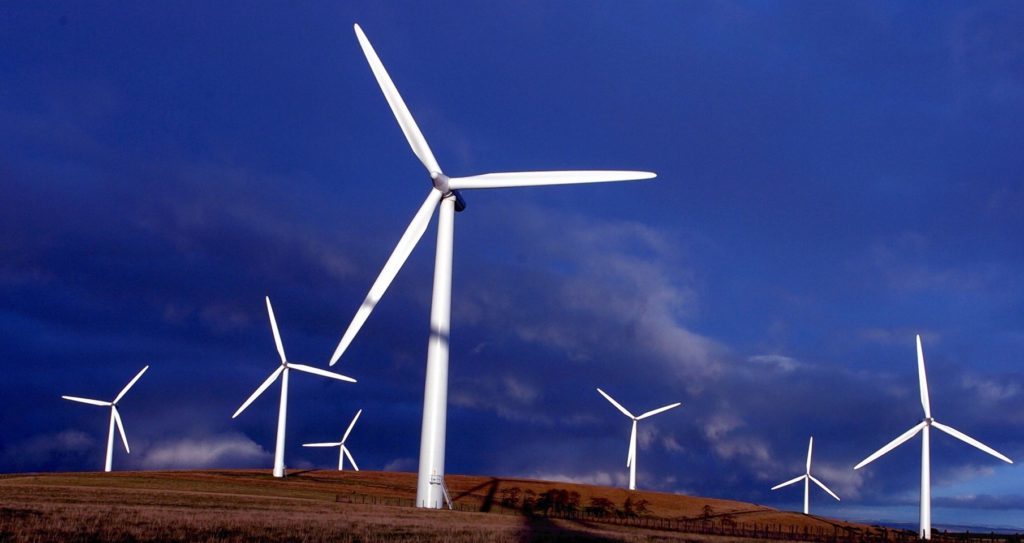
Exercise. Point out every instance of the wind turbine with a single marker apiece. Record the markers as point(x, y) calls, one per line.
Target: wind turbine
point(445, 194)
point(344, 450)
point(807, 478)
point(924, 427)
point(631, 455)
point(115, 417)
point(282, 370)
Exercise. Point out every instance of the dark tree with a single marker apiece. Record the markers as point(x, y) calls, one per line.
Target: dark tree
point(529, 501)
point(707, 512)
point(600, 507)
point(572, 502)
point(510, 497)
point(641, 507)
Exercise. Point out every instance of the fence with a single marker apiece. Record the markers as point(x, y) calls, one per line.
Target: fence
point(721, 526)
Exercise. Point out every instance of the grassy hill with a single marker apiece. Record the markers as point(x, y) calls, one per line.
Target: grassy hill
point(246, 505)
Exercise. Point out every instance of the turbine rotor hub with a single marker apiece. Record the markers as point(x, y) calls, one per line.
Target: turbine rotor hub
point(440, 182)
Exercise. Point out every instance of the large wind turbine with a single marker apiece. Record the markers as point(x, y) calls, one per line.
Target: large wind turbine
point(115, 417)
point(924, 427)
point(444, 194)
point(807, 478)
point(344, 450)
point(631, 455)
point(282, 370)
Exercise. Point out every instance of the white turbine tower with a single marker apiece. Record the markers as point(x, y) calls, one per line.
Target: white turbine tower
point(807, 478)
point(631, 455)
point(115, 417)
point(344, 450)
point(444, 194)
point(924, 427)
point(282, 370)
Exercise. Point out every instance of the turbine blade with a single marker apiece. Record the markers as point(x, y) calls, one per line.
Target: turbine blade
point(350, 425)
point(658, 410)
point(823, 487)
point(892, 444)
point(398, 107)
point(120, 428)
point(923, 380)
point(631, 455)
point(344, 449)
point(533, 179)
point(405, 246)
point(129, 385)
point(616, 404)
point(270, 380)
point(970, 441)
point(87, 400)
point(318, 371)
point(789, 482)
point(321, 444)
point(810, 445)
point(277, 334)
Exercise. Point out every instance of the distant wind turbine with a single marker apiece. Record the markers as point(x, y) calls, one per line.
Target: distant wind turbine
point(282, 371)
point(430, 489)
point(631, 455)
point(344, 450)
point(115, 417)
point(924, 427)
point(807, 478)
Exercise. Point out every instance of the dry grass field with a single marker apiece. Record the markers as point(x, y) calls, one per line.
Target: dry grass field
point(347, 507)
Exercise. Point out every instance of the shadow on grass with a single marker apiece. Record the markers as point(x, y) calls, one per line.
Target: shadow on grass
point(541, 528)
point(488, 500)
point(296, 473)
point(537, 527)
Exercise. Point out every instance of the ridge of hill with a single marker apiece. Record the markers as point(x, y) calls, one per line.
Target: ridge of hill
point(366, 506)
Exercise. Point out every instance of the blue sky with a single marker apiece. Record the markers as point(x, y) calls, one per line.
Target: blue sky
point(832, 180)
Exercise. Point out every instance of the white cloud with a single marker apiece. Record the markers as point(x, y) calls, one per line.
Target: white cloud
point(598, 478)
point(727, 444)
point(227, 450)
point(840, 478)
point(42, 449)
point(990, 390)
point(510, 398)
point(671, 444)
point(903, 262)
point(776, 361)
point(961, 473)
point(402, 464)
point(520, 390)
point(616, 288)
